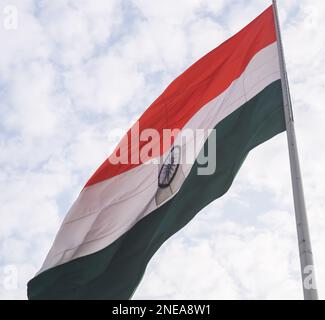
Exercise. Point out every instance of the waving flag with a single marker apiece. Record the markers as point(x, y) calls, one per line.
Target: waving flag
point(140, 196)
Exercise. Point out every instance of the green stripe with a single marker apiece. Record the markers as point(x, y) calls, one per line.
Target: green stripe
point(115, 272)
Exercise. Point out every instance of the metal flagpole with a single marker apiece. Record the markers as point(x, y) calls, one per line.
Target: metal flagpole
point(306, 256)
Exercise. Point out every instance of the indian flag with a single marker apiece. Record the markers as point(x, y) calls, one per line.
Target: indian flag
point(231, 100)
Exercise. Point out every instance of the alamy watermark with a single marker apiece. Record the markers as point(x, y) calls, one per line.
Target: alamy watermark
point(309, 281)
point(10, 17)
point(9, 277)
point(152, 146)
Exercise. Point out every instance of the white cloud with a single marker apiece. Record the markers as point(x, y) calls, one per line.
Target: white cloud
point(32, 103)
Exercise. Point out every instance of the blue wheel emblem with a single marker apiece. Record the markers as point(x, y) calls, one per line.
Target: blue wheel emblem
point(169, 168)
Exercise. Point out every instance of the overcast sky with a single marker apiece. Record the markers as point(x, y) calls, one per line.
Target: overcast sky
point(74, 73)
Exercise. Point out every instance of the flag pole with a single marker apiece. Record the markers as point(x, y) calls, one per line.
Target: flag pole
point(306, 256)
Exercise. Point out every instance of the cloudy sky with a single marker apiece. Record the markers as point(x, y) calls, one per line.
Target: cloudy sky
point(75, 74)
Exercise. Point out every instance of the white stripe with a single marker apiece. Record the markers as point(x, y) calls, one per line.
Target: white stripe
point(105, 211)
